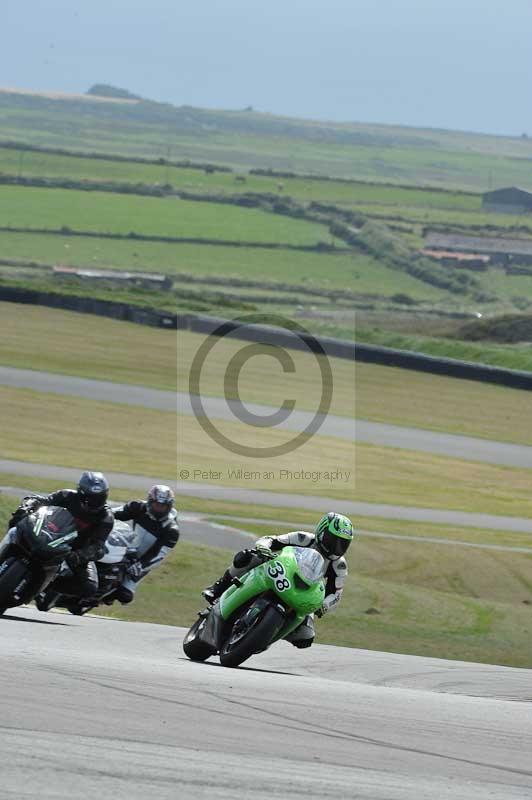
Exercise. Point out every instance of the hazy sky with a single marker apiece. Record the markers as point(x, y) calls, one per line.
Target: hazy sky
point(464, 64)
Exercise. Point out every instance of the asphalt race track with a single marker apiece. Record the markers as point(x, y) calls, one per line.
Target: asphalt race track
point(100, 708)
point(443, 444)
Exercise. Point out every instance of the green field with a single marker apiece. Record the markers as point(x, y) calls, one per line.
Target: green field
point(378, 279)
point(346, 270)
point(110, 213)
point(454, 218)
point(28, 164)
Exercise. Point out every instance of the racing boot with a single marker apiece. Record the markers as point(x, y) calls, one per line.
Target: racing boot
point(81, 606)
point(212, 593)
point(109, 599)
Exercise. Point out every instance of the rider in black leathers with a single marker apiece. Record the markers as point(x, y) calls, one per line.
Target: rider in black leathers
point(94, 521)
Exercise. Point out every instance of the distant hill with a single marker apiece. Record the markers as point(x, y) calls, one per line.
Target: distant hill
point(114, 120)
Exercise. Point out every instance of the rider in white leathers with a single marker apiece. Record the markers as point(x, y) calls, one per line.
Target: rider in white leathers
point(332, 537)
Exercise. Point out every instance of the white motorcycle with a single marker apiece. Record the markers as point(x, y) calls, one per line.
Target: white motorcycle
point(121, 552)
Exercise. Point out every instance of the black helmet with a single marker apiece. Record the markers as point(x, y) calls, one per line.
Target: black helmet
point(93, 491)
point(160, 501)
point(334, 534)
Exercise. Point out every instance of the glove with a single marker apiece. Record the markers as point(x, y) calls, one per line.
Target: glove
point(321, 612)
point(74, 560)
point(135, 571)
point(17, 515)
point(30, 504)
point(25, 508)
point(264, 552)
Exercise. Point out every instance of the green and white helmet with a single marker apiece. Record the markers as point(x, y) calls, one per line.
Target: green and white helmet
point(334, 534)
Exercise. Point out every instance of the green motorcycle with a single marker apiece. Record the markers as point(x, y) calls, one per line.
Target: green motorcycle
point(264, 605)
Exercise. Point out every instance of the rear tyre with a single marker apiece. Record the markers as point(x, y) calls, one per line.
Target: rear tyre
point(241, 645)
point(193, 647)
point(9, 580)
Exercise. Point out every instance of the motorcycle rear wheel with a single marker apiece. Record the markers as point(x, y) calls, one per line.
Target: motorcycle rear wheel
point(256, 639)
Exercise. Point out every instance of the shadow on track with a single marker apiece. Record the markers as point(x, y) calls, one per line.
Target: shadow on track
point(247, 669)
point(35, 621)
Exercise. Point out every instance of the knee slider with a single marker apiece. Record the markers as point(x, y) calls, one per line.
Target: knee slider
point(242, 558)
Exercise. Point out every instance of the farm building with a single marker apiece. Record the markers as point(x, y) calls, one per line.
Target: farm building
point(453, 258)
point(510, 201)
point(501, 250)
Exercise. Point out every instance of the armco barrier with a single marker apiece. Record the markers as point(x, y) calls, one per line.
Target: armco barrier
point(87, 305)
point(273, 335)
point(437, 365)
point(372, 354)
point(338, 348)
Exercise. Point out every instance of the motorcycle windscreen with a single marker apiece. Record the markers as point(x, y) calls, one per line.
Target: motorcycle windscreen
point(57, 522)
point(121, 539)
point(310, 563)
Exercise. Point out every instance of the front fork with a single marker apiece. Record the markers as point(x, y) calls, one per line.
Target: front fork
point(211, 633)
point(216, 627)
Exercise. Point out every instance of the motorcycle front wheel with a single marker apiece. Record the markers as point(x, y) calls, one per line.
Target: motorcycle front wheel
point(10, 577)
point(245, 641)
point(193, 647)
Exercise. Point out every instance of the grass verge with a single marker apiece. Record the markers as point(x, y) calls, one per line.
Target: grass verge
point(130, 439)
point(435, 402)
point(30, 430)
point(150, 357)
point(147, 356)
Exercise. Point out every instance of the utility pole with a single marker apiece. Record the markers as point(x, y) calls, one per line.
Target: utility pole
point(21, 155)
point(168, 157)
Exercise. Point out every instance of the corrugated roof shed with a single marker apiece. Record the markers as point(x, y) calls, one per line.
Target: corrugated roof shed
point(512, 197)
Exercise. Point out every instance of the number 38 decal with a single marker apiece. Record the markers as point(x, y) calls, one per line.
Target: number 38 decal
point(276, 571)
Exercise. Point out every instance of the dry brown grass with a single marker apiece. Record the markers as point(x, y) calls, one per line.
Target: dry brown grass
point(417, 399)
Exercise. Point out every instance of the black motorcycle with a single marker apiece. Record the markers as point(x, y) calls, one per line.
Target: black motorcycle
point(112, 567)
point(31, 554)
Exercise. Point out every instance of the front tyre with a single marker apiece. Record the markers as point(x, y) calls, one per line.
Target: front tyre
point(243, 643)
point(10, 577)
point(195, 649)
